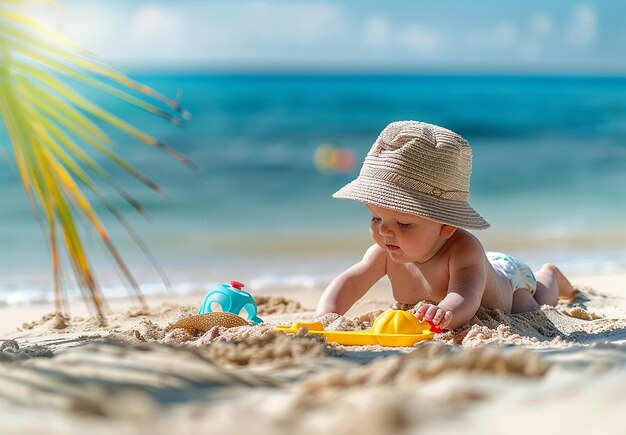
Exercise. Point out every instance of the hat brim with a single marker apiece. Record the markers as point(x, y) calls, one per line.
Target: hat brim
point(386, 195)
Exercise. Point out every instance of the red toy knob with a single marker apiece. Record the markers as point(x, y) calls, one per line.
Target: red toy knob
point(237, 285)
point(433, 328)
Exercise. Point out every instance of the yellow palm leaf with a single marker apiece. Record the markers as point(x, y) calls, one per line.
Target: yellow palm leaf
point(49, 128)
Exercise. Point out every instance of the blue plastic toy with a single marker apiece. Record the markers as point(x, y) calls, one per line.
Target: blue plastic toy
point(232, 299)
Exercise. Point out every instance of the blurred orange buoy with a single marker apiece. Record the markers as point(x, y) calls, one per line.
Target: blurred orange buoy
point(330, 158)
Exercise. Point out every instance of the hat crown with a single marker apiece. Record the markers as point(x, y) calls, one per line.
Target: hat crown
point(433, 159)
point(418, 168)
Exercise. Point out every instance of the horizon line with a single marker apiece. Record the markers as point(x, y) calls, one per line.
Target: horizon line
point(259, 69)
point(372, 73)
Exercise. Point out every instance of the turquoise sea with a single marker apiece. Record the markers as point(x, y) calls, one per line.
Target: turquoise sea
point(549, 175)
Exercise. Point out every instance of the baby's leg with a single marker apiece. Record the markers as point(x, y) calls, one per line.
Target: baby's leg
point(523, 301)
point(552, 284)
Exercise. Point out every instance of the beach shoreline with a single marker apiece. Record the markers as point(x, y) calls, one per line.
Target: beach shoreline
point(11, 316)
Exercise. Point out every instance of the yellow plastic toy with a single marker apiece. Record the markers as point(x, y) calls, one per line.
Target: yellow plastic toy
point(392, 328)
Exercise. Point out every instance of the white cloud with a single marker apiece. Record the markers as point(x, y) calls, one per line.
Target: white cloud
point(505, 34)
point(87, 26)
point(300, 22)
point(154, 24)
point(315, 22)
point(498, 36)
point(530, 50)
point(583, 25)
point(265, 32)
point(284, 32)
point(158, 32)
point(530, 47)
point(420, 39)
point(376, 31)
point(541, 24)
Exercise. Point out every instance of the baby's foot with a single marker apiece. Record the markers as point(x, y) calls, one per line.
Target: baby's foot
point(567, 292)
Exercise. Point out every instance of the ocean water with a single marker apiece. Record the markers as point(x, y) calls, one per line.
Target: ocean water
point(549, 174)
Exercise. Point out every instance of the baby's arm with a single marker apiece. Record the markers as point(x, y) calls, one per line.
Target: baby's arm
point(465, 288)
point(352, 284)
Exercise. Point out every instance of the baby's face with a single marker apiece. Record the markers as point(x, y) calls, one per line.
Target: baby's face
point(405, 237)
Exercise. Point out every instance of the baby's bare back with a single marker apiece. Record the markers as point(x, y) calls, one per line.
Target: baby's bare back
point(414, 282)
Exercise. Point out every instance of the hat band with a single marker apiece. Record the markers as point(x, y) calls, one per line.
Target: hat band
point(412, 184)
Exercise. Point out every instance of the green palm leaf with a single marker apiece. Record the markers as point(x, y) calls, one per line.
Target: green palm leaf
point(50, 125)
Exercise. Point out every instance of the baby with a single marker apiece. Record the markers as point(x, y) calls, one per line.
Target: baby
point(415, 183)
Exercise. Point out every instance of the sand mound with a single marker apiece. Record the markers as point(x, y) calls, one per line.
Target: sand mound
point(547, 327)
point(51, 323)
point(268, 305)
point(280, 350)
point(241, 345)
point(335, 322)
point(430, 360)
point(10, 350)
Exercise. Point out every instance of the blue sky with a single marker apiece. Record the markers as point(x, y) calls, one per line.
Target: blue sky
point(354, 35)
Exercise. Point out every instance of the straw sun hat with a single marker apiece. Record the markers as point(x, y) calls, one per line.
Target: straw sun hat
point(420, 169)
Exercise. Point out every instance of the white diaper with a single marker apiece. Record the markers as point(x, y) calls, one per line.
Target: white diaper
point(517, 272)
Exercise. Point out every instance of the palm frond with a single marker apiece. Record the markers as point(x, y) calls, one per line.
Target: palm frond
point(49, 125)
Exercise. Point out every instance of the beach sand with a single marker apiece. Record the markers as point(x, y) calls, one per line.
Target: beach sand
point(556, 369)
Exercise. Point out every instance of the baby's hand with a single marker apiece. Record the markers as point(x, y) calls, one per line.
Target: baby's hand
point(434, 314)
